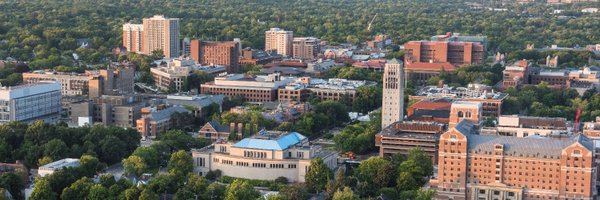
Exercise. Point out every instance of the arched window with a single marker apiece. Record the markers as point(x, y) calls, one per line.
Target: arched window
point(460, 114)
point(468, 114)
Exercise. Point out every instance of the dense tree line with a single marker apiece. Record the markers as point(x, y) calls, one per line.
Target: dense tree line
point(46, 32)
point(543, 101)
point(45, 142)
point(396, 177)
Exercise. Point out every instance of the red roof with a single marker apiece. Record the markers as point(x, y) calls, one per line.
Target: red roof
point(428, 105)
point(286, 64)
point(424, 66)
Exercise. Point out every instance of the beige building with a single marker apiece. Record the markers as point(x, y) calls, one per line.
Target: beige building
point(133, 37)
point(161, 33)
point(172, 75)
point(113, 81)
point(265, 156)
point(393, 93)
point(306, 48)
point(279, 40)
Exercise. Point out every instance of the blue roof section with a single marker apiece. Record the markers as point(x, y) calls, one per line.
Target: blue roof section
point(281, 143)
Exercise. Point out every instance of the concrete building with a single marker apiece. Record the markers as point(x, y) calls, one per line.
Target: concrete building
point(279, 40)
point(333, 89)
point(92, 83)
point(487, 167)
point(306, 48)
point(393, 93)
point(50, 168)
point(524, 126)
point(161, 33)
point(266, 156)
point(173, 75)
point(401, 137)
point(490, 99)
point(133, 37)
point(251, 88)
point(30, 102)
point(118, 110)
point(216, 53)
point(156, 120)
point(592, 129)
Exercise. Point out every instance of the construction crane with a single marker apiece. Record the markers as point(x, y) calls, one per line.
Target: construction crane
point(371, 22)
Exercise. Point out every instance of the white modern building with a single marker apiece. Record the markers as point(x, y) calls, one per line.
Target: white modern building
point(52, 167)
point(30, 102)
point(265, 156)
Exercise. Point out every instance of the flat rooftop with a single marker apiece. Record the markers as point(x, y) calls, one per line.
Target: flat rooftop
point(67, 162)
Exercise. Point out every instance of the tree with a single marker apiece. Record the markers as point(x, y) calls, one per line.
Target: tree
point(97, 192)
point(90, 165)
point(406, 181)
point(78, 190)
point(423, 160)
point(157, 54)
point(180, 164)
point(317, 175)
point(376, 172)
point(241, 190)
point(367, 98)
point(214, 191)
point(148, 195)
point(132, 194)
point(336, 112)
point(12, 182)
point(425, 194)
point(294, 192)
point(134, 165)
point(345, 194)
point(44, 160)
point(42, 191)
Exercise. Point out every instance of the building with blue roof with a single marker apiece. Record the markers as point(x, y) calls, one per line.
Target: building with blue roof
point(264, 156)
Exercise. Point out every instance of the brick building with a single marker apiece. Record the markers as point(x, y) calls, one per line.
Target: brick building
point(516, 74)
point(306, 48)
point(430, 110)
point(216, 53)
point(473, 166)
point(424, 59)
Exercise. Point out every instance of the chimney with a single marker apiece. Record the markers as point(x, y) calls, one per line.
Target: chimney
point(232, 127)
point(240, 128)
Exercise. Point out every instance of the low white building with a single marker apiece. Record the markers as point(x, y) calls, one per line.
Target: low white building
point(266, 156)
point(52, 167)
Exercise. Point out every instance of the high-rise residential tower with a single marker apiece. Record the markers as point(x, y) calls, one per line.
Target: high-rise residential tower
point(133, 37)
point(154, 33)
point(393, 93)
point(279, 40)
point(162, 33)
point(306, 47)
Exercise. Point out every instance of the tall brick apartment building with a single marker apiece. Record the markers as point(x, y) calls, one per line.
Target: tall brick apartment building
point(488, 167)
point(216, 53)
